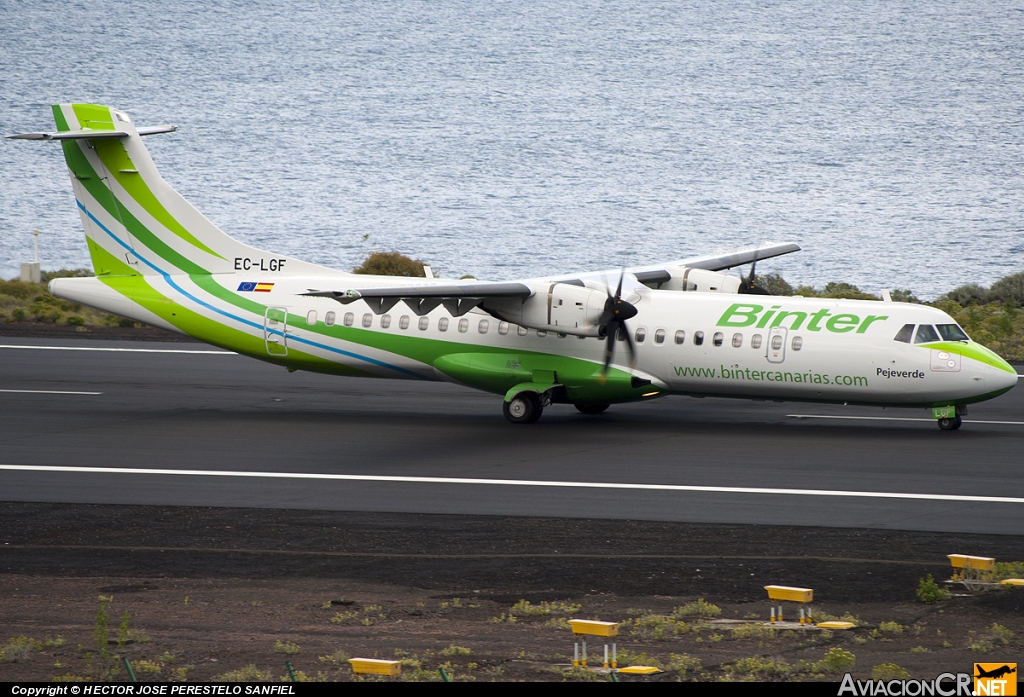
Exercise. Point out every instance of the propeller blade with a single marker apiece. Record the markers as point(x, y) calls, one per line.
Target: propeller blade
point(609, 347)
point(629, 345)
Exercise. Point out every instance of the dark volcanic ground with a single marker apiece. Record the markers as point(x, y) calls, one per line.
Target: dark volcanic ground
point(216, 589)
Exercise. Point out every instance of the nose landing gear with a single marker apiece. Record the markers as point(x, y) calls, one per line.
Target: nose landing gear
point(950, 424)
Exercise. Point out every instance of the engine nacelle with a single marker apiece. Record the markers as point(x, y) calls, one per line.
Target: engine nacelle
point(687, 279)
point(555, 307)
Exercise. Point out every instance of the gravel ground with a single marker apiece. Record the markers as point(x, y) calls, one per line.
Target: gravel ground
point(210, 592)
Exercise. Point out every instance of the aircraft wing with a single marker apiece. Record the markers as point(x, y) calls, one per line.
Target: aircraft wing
point(461, 297)
point(660, 273)
point(458, 298)
point(717, 262)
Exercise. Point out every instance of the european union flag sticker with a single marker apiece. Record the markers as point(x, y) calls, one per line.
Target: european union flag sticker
point(246, 286)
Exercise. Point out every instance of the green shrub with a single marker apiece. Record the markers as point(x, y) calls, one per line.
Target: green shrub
point(888, 671)
point(683, 664)
point(758, 666)
point(698, 608)
point(836, 660)
point(928, 591)
point(286, 647)
point(454, 650)
point(391, 264)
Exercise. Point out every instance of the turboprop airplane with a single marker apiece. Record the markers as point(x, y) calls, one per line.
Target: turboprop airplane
point(589, 339)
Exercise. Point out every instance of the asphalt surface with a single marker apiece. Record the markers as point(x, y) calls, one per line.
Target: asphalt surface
point(222, 413)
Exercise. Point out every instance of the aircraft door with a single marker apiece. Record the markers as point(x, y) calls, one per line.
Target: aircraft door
point(776, 345)
point(275, 331)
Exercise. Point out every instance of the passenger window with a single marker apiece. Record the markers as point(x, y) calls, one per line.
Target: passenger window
point(680, 336)
point(403, 322)
point(442, 324)
point(483, 326)
point(659, 336)
point(718, 338)
point(698, 339)
point(540, 333)
point(797, 343)
point(905, 334)
point(523, 331)
point(367, 319)
point(755, 341)
point(329, 318)
point(349, 319)
point(777, 342)
point(640, 335)
point(424, 323)
point(385, 321)
point(952, 332)
point(311, 317)
point(503, 328)
point(463, 325)
point(737, 340)
point(925, 334)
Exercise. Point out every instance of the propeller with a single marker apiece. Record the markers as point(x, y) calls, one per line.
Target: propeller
point(747, 285)
point(612, 321)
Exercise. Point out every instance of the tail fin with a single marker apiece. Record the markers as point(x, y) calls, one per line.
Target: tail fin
point(130, 213)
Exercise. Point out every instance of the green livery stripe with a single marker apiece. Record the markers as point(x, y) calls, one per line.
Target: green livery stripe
point(972, 350)
point(59, 119)
point(140, 291)
point(493, 373)
point(115, 158)
point(86, 175)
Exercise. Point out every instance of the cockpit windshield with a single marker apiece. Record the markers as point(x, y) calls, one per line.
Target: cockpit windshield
point(952, 332)
point(905, 334)
point(925, 334)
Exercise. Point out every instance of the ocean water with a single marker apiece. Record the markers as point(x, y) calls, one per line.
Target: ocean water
point(512, 139)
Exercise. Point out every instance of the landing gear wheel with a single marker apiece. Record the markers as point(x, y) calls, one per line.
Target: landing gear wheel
point(591, 408)
point(524, 408)
point(950, 424)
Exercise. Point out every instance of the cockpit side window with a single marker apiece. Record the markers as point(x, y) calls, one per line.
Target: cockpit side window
point(952, 332)
point(925, 334)
point(905, 334)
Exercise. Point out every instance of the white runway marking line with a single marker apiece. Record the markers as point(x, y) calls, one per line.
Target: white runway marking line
point(49, 392)
point(896, 418)
point(515, 482)
point(116, 350)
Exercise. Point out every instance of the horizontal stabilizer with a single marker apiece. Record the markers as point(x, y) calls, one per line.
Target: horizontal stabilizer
point(91, 134)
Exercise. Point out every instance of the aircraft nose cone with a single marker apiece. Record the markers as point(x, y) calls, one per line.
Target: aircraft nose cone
point(1004, 379)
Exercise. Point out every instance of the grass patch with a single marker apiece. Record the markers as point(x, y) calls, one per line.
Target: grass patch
point(248, 674)
point(756, 666)
point(286, 647)
point(656, 627)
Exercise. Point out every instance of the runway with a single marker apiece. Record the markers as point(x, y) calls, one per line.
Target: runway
point(184, 424)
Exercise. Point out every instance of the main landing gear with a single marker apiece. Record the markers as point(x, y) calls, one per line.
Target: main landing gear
point(524, 408)
point(950, 424)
